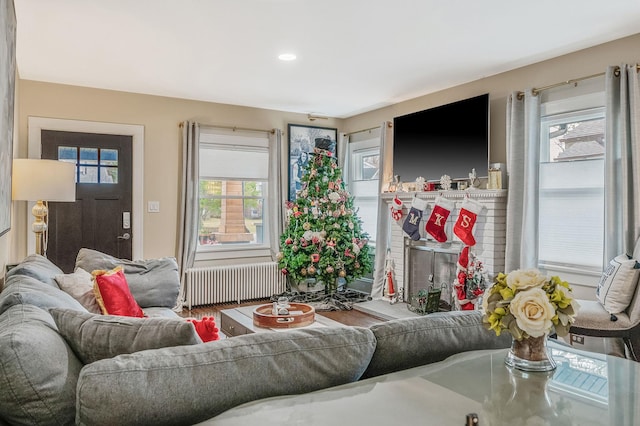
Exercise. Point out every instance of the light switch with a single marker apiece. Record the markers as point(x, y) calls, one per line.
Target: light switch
point(153, 206)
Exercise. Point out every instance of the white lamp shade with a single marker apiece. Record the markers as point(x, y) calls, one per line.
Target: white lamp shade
point(43, 180)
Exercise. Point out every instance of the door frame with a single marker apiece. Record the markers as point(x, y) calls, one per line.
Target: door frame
point(37, 124)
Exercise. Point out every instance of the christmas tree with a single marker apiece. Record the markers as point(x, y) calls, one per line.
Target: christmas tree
point(323, 238)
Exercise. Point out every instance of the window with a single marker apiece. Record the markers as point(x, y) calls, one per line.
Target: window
point(93, 165)
point(364, 171)
point(234, 180)
point(571, 184)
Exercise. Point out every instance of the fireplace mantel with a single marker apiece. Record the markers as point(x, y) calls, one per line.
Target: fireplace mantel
point(489, 231)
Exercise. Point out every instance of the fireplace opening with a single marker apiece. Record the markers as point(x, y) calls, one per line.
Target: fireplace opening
point(430, 266)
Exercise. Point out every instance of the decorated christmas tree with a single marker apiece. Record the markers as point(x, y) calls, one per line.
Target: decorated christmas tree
point(323, 238)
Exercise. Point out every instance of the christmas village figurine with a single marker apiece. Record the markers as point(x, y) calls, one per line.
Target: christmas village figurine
point(323, 237)
point(390, 286)
point(474, 182)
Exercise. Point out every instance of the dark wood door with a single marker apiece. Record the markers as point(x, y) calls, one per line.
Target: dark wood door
point(100, 218)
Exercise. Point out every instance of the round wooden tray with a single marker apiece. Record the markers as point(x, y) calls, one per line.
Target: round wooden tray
point(300, 315)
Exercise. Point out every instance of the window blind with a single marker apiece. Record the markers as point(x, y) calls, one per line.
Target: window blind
point(227, 154)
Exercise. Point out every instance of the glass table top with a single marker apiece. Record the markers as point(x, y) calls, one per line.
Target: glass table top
point(585, 389)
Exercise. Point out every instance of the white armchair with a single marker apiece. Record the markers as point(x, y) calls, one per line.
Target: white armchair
point(593, 320)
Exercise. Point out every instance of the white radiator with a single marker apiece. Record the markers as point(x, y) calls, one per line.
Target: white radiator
point(233, 283)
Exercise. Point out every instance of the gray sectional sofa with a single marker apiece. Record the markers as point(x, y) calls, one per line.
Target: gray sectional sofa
point(62, 364)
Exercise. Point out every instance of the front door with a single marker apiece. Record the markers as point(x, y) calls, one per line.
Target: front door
point(100, 218)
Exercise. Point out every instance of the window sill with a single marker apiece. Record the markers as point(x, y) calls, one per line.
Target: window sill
point(573, 275)
point(220, 253)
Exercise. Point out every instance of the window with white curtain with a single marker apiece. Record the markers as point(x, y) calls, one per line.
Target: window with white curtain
point(363, 175)
point(233, 189)
point(571, 181)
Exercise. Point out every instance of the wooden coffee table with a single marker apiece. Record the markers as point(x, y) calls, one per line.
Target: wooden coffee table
point(238, 321)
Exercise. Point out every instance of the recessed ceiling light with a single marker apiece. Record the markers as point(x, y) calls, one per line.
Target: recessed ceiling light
point(287, 57)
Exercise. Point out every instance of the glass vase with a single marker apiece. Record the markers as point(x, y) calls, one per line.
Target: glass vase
point(530, 354)
point(523, 399)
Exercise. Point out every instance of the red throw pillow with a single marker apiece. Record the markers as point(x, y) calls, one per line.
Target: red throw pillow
point(113, 294)
point(206, 328)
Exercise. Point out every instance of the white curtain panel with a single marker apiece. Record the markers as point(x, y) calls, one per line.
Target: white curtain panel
point(523, 157)
point(188, 209)
point(342, 150)
point(622, 157)
point(278, 166)
point(383, 231)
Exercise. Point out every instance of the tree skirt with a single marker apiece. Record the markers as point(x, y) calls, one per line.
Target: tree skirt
point(341, 300)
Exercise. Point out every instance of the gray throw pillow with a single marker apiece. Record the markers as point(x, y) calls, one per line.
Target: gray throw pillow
point(190, 384)
point(153, 282)
point(22, 289)
point(411, 342)
point(38, 267)
point(94, 337)
point(38, 370)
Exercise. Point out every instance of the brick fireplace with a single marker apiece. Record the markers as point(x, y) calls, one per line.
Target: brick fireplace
point(419, 263)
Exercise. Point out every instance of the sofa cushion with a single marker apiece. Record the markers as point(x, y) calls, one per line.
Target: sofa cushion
point(94, 337)
point(113, 294)
point(38, 267)
point(20, 289)
point(411, 342)
point(190, 384)
point(153, 282)
point(79, 285)
point(157, 312)
point(618, 284)
point(38, 370)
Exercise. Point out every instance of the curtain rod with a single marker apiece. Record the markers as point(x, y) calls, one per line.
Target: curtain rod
point(234, 128)
point(389, 124)
point(536, 90)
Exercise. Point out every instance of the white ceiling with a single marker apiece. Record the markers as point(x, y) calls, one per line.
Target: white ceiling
point(353, 55)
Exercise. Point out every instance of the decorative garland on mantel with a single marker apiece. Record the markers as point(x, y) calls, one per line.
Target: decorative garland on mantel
point(428, 195)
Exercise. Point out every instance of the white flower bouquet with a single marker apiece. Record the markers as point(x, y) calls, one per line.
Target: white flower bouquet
point(526, 303)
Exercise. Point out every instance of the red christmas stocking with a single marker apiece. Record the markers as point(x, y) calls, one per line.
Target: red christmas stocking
point(438, 218)
point(463, 259)
point(396, 208)
point(466, 221)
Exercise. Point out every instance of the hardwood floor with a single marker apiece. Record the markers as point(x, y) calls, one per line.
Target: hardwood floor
point(352, 317)
point(214, 310)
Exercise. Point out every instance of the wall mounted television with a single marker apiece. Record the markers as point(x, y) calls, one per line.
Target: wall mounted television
point(450, 139)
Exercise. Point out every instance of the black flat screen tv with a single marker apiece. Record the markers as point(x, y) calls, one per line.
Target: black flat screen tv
point(451, 139)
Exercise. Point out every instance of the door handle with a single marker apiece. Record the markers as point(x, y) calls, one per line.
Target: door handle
point(125, 236)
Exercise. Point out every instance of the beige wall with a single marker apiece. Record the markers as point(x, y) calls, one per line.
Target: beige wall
point(160, 117)
point(575, 65)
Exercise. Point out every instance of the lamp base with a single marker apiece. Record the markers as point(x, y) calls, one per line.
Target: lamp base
point(39, 226)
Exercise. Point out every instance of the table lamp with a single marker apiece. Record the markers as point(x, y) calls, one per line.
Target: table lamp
point(42, 181)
